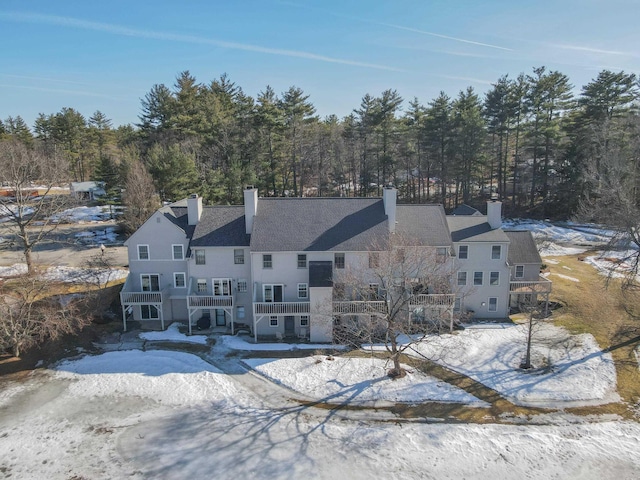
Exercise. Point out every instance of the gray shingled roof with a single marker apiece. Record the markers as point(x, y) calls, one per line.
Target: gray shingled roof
point(474, 228)
point(178, 216)
point(424, 224)
point(221, 227)
point(523, 248)
point(318, 224)
point(465, 209)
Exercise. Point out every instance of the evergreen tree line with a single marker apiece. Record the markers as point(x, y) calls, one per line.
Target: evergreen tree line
point(530, 140)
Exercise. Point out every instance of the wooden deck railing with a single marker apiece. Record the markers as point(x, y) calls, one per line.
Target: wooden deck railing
point(280, 308)
point(531, 286)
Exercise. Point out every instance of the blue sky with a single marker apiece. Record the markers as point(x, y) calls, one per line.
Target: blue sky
point(106, 55)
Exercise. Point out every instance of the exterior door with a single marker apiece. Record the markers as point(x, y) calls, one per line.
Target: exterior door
point(150, 283)
point(277, 293)
point(289, 326)
point(273, 293)
point(220, 318)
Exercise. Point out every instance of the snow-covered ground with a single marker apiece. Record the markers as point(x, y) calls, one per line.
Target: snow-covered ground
point(172, 334)
point(239, 343)
point(171, 415)
point(565, 233)
point(82, 214)
point(357, 381)
point(98, 276)
point(572, 369)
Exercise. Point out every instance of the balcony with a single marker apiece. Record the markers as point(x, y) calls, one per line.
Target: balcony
point(359, 307)
point(131, 297)
point(542, 285)
point(437, 300)
point(209, 301)
point(280, 308)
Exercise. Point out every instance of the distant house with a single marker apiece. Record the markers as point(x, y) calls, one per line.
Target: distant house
point(275, 264)
point(87, 190)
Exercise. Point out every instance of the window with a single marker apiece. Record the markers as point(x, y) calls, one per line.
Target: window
point(267, 261)
point(178, 252)
point(494, 278)
point(463, 252)
point(240, 311)
point(179, 280)
point(462, 278)
point(441, 254)
point(238, 256)
point(201, 285)
point(496, 252)
point(143, 252)
point(150, 282)
point(242, 286)
point(149, 312)
point(457, 304)
point(374, 292)
point(493, 304)
point(200, 258)
point(338, 260)
point(303, 290)
point(302, 260)
point(304, 320)
point(477, 278)
point(519, 271)
point(273, 321)
point(374, 260)
point(221, 286)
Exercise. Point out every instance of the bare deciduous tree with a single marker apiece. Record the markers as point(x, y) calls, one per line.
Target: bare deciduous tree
point(28, 318)
point(398, 295)
point(29, 177)
point(139, 198)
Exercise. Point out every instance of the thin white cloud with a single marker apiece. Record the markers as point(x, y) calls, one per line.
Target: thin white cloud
point(432, 34)
point(155, 35)
point(59, 90)
point(599, 51)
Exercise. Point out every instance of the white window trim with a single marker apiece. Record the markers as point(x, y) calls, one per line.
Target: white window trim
point(489, 305)
point(306, 287)
point(206, 286)
point(500, 257)
point(263, 261)
point(150, 307)
point(461, 246)
point(274, 317)
point(494, 284)
point(238, 257)
point(272, 285)
point(306, 260)
point(195, 256)
point(242, 281)
point(175, 284)
point(173, 251)
point(240, 308)
point(481, 279)
point(306, 317)
point(148, 252)
point(466, 279)
point(221, 282)
point(515, 274)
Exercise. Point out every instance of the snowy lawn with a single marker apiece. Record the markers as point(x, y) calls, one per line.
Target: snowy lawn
point(82, 214)
point(98, 276)
point(172, 334)
point(576, 369)
point(567, 232)
point(614, 264)
point(170, 378)
point(170, 415)
point(240, 343)
point(357, 381)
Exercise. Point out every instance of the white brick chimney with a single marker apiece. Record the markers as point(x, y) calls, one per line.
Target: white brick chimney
point(250, 207)
point(194, 209)
point(494, 213)
point(390, 198)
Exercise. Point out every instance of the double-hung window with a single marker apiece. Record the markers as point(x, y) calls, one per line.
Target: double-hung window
point(273, 321)
point(302, 260)
point(143, 252)
point(201, 285)
point(462, 278)
point(303, 291)
point(493, 304)
point(494, 278)
point(304, 320)
point(338, 260)
point(267, 260)
point(477, 278)
point(200, 257)
point(242, 286)
point(463, 252)
point(519, 271)
point(179, 280)
point(178, 252)
point(496, 252)
point(238, 256)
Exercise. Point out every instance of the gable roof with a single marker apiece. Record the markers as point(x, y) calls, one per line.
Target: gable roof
point(318, 224)
point(523, 248)
point(424, 224)
point(465, 209)
point(474, 228)
point(220, 226)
